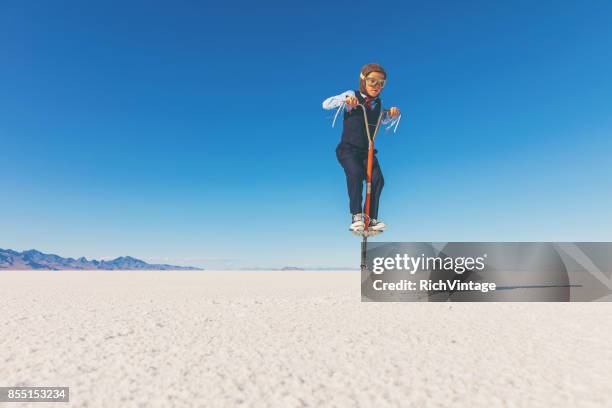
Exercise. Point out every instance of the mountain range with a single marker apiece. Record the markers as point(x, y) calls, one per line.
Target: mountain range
point(33, 259)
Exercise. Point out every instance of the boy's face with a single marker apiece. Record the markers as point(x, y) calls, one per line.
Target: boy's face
point(374, 83)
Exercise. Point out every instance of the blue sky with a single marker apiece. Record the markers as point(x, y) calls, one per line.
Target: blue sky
point(192, 133)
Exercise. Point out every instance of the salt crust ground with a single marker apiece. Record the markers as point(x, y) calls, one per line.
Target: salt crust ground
point(222, 339)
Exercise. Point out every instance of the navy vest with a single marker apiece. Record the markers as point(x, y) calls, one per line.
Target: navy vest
point(354, 135)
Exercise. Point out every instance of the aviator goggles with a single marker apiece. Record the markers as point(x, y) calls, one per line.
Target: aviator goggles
point(373, 82)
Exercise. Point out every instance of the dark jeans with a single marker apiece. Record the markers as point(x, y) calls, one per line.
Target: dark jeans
point(355, 164)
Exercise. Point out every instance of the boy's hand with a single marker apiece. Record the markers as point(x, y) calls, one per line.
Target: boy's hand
point(351, 101)
point(394, 112)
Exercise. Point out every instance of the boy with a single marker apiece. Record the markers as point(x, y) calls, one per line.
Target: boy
point(352, 151)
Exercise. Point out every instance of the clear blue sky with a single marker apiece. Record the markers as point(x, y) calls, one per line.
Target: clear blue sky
point(191, 133)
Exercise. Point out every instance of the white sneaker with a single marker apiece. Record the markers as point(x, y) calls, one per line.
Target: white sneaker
point(357, 224)
point(376, 225)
